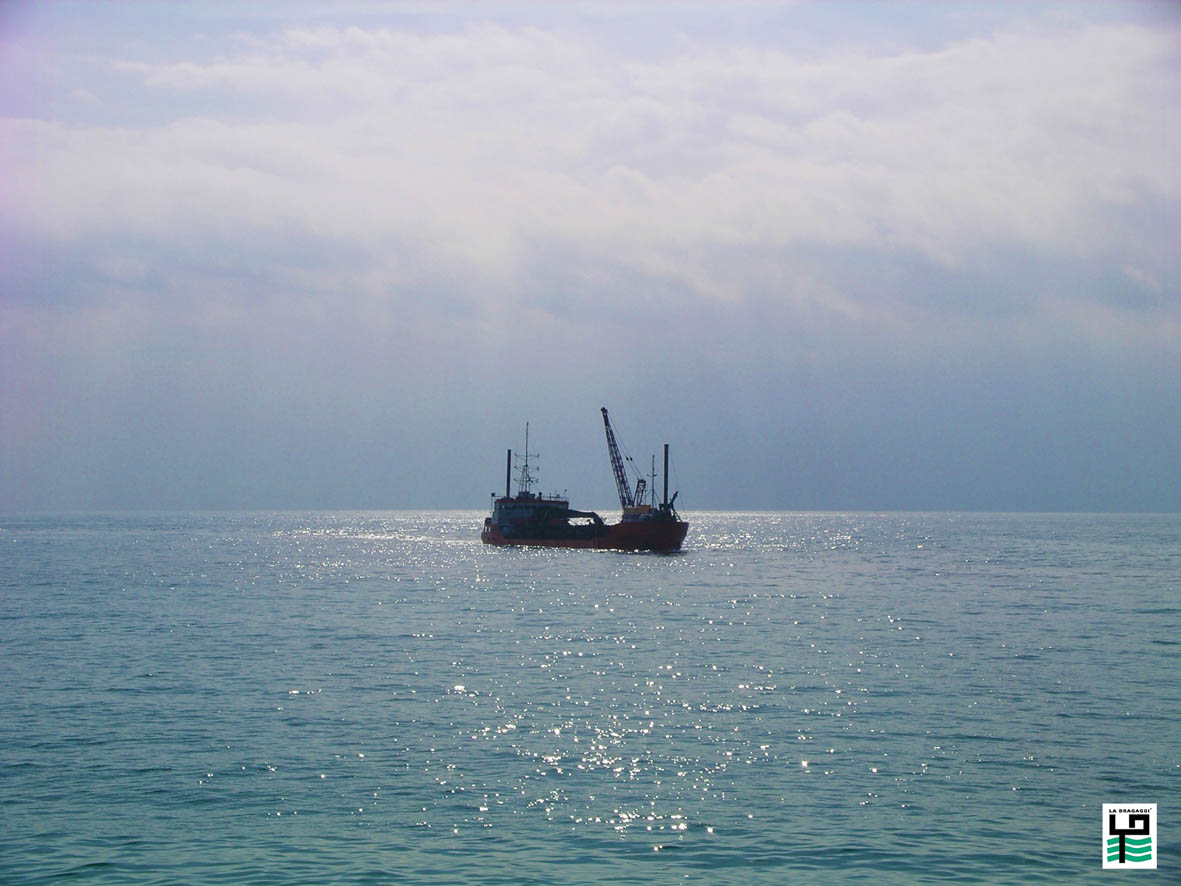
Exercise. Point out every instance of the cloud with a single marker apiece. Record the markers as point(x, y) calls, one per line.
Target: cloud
point(463, 156)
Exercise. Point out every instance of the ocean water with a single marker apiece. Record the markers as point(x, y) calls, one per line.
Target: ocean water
point(353, 697)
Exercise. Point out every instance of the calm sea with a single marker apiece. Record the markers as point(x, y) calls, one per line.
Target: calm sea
point(354, 697)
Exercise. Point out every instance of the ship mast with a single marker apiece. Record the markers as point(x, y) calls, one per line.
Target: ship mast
point(625, 494)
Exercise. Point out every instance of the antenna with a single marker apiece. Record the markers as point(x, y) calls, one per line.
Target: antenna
point(524, 474)
point(652, 488)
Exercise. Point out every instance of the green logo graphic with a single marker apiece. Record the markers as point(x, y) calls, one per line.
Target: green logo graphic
point(1134, 849)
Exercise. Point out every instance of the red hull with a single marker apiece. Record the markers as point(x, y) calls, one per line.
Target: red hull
point(641, 535)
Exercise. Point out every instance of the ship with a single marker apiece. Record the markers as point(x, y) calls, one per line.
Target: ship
point(533, 518)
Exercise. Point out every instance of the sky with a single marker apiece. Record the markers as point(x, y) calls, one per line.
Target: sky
point(839, 255)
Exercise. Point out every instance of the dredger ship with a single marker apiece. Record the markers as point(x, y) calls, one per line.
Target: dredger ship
point(530, 518)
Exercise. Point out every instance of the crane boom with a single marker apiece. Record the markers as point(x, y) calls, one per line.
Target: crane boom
point(625, 496)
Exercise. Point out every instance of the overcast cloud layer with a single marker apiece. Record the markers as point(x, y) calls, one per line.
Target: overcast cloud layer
point(874, 256)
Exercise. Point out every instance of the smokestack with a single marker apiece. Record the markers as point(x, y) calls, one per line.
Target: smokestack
point(666, 474)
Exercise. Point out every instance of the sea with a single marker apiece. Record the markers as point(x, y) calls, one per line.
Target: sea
point(377, 697)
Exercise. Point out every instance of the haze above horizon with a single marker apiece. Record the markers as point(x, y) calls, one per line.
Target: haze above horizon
point(843, 256)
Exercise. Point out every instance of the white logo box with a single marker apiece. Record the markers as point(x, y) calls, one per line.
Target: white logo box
point(1133, 825)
